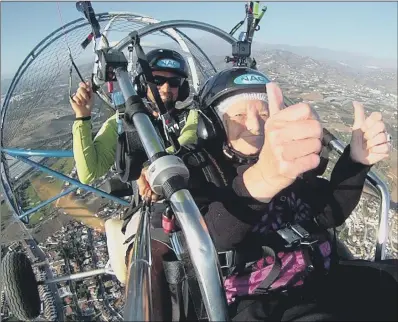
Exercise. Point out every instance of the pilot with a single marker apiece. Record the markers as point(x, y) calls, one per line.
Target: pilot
point(94, 157)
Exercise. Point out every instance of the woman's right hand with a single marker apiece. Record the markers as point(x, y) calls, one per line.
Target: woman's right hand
point(292, 142)
point(82, 100)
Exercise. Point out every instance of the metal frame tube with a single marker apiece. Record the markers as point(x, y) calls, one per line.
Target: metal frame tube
point(198, 48)
point(139, 292)
point(22, 155)
point(382, 190)
point(6, 185)
point(177, 24)
point(149, 138)
point(39, 153)
point(202, 253)
point(76, 276)
point(200, 246)
point(45, 203)
point(72, 181)
point(54, 36)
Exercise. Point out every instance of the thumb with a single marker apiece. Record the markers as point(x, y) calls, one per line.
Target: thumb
point(275, 98)
point(359, 115)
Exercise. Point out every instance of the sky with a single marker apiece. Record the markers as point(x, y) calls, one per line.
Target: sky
point(367, 28)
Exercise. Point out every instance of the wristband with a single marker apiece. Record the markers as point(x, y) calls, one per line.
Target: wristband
point(84, 118)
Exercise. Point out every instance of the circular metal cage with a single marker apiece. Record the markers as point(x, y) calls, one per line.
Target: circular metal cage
point(36, 117)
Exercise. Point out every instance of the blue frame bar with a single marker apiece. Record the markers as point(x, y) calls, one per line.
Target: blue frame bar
point(23, 155)
point(45, 203)
point(70, 180)
point(40, 153)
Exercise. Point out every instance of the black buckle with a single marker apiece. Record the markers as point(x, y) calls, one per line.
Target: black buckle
point(135, 38)
point(226, 259)
point(295, 235)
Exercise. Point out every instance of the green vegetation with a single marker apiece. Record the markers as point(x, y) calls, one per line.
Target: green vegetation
point(64, 166)
point(343, 235)
point(5, 208)
point(29, 198)
point(35, 217)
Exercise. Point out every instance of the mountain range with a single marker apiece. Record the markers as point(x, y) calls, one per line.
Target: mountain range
point(338, 59)
point(323, 54)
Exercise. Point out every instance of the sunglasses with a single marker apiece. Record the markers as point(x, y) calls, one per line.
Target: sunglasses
point(173, 81)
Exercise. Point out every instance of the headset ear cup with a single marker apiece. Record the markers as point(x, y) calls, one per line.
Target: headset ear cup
point(205, 129)
point(140, 86)
point(183, 92)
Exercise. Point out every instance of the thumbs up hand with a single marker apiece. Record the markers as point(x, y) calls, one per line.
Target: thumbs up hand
point(292, 142)
point(369, 140)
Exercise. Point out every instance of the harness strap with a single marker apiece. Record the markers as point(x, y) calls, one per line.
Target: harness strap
point(334, 254)
point(147, 72)
point(175, 276)
point(130, 156)
point(146, 69)
point(317, 260)
point(136, 193)
point(273, 274)
point(234, 261)
point(145, 208)
point(193, 284)
point(129, 214)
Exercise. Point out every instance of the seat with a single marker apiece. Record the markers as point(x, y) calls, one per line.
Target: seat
point(116, 248)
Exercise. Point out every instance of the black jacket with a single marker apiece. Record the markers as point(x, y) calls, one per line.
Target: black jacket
point(231, 213)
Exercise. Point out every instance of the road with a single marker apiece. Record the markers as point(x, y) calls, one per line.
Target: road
point(72, 286)
point(36, 250)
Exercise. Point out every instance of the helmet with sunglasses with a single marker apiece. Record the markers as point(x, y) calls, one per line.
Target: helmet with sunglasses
point(165, 60)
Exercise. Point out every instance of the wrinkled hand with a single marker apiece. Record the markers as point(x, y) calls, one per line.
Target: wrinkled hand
point(291, 147)
point(144, 188)
point(82, 100)
point(369, 143)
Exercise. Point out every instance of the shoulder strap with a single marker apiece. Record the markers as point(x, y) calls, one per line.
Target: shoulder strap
point(147, 72)
point(193, 285)
point(200, 158)
point(146, 69)
point(273, 274)
point(175, 276)
point(130, 156)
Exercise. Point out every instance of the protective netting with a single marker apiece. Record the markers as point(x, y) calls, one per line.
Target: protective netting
point(203, 64)
point(38, 113)
point(202, 56)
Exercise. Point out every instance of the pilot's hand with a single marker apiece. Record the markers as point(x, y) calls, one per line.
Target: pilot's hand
point(82, 100)
point(292, 142)
point(369, 140)
point(144, 188)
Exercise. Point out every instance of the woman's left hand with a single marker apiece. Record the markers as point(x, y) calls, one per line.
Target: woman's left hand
point(370, 143)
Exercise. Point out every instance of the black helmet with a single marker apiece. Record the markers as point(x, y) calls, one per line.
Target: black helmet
point(167, 60)
point(229, 82)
